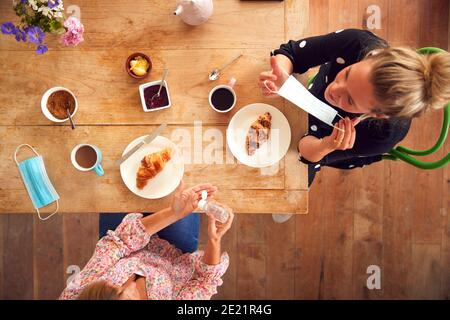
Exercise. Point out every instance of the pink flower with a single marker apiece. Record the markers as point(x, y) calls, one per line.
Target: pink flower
point(74, 33)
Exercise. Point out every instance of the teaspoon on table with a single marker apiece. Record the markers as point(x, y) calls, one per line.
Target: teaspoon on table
point(215, 74)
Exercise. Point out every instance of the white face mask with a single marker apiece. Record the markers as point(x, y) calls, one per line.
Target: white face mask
point(296, 93)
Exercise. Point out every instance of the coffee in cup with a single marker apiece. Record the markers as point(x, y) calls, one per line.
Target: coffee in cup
point(86, 157)
point(222, 98)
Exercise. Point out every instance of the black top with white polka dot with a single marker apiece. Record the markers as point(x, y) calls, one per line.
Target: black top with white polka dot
point(334, 52)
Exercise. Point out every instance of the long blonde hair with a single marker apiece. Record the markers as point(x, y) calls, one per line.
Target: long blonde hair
point(408, 83)
point(99, 290)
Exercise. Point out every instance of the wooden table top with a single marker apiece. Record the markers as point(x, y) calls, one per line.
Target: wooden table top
point(110, 114)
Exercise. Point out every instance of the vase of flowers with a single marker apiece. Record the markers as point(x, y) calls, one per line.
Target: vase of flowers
point(39, 17)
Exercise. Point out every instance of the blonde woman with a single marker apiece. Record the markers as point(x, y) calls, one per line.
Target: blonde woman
point(132, 263)
point(362, 78)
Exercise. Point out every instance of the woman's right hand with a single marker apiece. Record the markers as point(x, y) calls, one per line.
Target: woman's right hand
point(272, 79)
point(216, 230)
point(186, 200)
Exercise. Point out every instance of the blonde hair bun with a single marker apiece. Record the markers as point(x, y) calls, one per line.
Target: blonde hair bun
point(408, 83)
point(437, 79)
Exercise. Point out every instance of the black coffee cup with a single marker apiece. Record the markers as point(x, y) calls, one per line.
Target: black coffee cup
point(222, 98)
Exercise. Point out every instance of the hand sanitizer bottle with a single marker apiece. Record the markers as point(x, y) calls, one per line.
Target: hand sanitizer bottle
point(219, 211)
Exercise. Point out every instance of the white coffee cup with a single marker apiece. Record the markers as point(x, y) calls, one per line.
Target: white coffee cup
point(229, 87)
point(96, 167)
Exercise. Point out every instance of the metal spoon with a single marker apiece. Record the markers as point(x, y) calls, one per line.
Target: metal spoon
point(156, 95)
point(215, 74)
point(70, 118)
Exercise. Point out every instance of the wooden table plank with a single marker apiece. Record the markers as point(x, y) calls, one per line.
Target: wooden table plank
point(445, 245)
point(280, 266)
point(425, 272)
point(310, 245)
point(342, 14)
point(243, 188)
point(398, 217)
point(434, 15)
point(368, 231)
point(338, 240)
point(401, 30)
point(119, 24)
point(80, 235)
point(18, 257)
point(106, 94)
point(3, 220)
point(48, 255)
point(252, 266)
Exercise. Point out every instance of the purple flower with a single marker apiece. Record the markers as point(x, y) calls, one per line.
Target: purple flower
point(23, 1)
point(20, 35)
point(53, 3)
point(8, 28)
point(41, 49)
point(35, 34)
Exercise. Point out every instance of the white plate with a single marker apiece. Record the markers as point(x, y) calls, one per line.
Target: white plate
point(270, 152)
point(166, 181)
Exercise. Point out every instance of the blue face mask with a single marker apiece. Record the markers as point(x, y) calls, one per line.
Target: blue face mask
point(37, 183)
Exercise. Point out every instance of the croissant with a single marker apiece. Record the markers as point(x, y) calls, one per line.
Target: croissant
point(258, 133)
point(151, 165)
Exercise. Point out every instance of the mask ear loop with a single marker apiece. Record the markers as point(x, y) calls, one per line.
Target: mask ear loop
point(50, 215)
point(37, 210)
point(363, 117)
point(284, 72)
point(21, 146)
point(360, 118)
point(267, 87)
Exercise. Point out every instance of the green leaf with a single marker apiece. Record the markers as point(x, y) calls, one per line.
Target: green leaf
point(55, 26)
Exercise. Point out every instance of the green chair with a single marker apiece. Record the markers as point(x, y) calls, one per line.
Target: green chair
point(406, 154)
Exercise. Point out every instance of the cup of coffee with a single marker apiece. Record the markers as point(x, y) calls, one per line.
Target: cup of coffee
point(86, 157)
point(222, 98)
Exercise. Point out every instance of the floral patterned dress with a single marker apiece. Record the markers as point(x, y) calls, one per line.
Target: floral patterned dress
point(169, 273)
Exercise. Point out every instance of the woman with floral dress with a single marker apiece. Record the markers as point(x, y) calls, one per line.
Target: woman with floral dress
point(134, 263)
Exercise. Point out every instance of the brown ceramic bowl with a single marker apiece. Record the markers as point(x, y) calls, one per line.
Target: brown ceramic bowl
point(131, 57)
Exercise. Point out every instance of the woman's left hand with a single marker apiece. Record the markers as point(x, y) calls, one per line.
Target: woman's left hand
point(186, 200)
point(343, 139)
point(216, 230)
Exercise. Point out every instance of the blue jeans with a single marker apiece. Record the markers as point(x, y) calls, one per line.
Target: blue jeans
point(183, 234)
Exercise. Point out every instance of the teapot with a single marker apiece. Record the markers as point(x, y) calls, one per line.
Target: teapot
point(194, 12)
